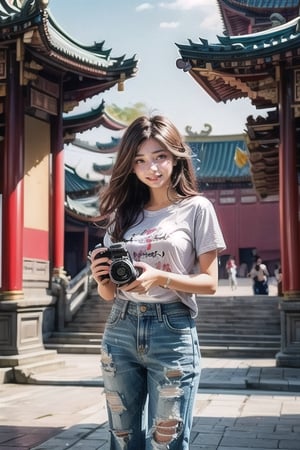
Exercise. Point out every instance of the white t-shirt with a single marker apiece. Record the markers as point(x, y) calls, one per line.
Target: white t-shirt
point(171, 239)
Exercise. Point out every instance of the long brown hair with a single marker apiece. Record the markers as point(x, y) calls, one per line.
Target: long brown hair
point(126, 196)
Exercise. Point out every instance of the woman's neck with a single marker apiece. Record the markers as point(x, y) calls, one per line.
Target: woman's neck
point(157, 202)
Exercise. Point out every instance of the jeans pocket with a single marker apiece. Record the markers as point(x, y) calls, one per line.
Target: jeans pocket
point(114, 318)
point(178, 323)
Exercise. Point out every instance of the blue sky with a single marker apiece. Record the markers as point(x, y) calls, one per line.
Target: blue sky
point(150, 30)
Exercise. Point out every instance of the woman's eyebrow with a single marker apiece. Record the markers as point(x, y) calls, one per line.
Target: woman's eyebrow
point(154, 152)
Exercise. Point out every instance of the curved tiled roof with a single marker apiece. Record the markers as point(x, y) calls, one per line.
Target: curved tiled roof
point(249, 66)
point(109, 147)
point(244, 16)
point(78, 123)
point(241, 66)
point(93, 56)
point(50, 46)
point(75, 184)
point(213, 159)
point(261, 44)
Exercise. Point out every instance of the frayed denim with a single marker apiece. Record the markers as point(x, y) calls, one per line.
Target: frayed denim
point(151, 370)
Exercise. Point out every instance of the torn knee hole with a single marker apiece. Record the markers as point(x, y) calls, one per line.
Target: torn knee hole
point(166, 430)
point(115, 402)
point(108, 363)
point(122, 434)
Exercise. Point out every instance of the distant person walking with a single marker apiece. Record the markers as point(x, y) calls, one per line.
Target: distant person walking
point(231, 269)
point(278, 276)
point(259, 274)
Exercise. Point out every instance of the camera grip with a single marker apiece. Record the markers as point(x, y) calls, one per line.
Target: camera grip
point(105, 254)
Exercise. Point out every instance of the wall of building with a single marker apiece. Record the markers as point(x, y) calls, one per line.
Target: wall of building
point(36, 189)
point(250, 227)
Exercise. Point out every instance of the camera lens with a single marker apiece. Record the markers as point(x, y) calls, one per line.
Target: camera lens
point(121, 272)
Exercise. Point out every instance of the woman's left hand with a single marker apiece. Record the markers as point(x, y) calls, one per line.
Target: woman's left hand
point(146, 281)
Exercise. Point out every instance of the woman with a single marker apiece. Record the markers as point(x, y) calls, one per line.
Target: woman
point(231, 271)
point(260, 274)
point(150, 351)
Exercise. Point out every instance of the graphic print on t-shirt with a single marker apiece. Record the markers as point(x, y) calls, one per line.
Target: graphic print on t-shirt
point(149, 245)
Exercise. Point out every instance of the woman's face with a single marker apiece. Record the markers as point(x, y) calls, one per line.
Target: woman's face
point(153, 165)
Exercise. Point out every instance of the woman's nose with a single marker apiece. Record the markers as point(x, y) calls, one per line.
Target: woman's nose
point(153, 165)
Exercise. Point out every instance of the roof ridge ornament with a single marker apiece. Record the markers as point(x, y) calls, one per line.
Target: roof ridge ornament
point(14, 3)
point(10, 9)
point(204, 132)
point(277, 19)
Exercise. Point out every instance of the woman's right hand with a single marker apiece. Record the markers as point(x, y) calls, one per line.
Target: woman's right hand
point(100, 266)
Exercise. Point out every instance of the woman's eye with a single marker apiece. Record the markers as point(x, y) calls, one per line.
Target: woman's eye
point(138, 161)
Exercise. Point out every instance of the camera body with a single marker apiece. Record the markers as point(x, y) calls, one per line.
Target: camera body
point(122, 270)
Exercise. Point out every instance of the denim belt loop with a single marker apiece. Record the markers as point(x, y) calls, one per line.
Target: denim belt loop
point(158, 311)
point(124, 309)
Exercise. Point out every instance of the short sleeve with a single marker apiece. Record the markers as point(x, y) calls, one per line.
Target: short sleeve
point(207, 231)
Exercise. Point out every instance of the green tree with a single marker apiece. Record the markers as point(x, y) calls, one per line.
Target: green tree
point(127, 114)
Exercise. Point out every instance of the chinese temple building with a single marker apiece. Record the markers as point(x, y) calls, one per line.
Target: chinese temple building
point(263, 64)
point(230, 187)
point(84, 227)
point(44, 75)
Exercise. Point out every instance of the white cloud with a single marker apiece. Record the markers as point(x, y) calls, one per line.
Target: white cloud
point(169, 25)
point(212, 23)
point(185, 4)
point(144, 7)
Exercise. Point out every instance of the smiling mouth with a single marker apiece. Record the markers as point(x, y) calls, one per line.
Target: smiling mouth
point(154, 178)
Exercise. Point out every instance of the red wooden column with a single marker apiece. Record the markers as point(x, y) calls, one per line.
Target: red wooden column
point(13, 186)
point(288, 189)
point(58, 202)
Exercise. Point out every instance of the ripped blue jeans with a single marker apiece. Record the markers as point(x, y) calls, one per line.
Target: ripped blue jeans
point(151, 370)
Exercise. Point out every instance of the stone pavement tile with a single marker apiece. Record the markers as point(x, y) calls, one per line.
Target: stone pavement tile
point(236, 426)
point(75, 413)
point(197, 446)
point(238, 447)
point(273, 385)
point(205, 440)
point(24, 437)
point(292, 373)
point(92, 438)
point(224, 373)
point(289, 444)
point(249, 442)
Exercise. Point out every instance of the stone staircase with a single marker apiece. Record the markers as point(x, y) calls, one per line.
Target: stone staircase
point(239, 326)
point(227, 327)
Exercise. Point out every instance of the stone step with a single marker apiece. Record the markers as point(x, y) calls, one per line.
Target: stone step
point(228, 351)
point(23, 374)
point(234, 338)
point(72, 348)
point(19, 368)
point(95, 338)
point(42, 356)
point(226, 326)
point(75, 338)
point(217, 350)
point(210, 344)
point(231, 328)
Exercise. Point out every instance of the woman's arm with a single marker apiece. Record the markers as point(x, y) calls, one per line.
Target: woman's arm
point(205, 282)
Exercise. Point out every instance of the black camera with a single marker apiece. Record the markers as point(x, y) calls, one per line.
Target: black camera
point(121, 270)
